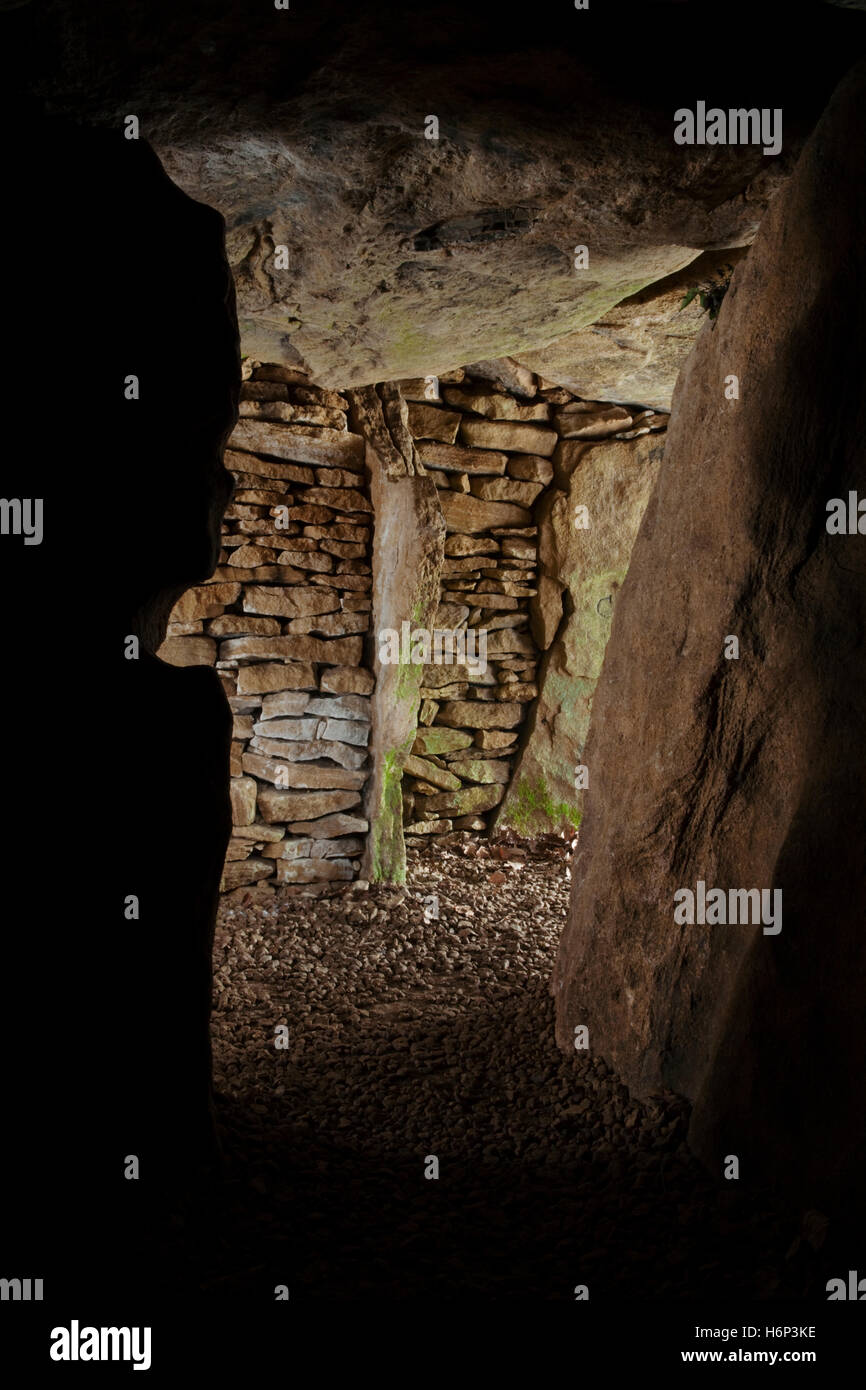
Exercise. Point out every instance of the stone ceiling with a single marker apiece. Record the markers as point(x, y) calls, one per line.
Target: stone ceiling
point(404, 255)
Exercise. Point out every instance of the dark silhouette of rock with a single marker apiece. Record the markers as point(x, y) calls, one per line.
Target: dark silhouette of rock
point(745, 773)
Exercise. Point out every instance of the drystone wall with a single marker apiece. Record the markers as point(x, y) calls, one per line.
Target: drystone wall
point(497, 440)
point(283, 620)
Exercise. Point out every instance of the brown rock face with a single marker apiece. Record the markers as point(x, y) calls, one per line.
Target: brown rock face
point(461, 245)
point(635, 351)
point(745, 773)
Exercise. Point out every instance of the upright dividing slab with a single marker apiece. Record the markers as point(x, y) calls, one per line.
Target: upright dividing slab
point(408, 549)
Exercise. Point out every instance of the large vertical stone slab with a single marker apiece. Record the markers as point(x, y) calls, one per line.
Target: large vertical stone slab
point(745, 773)
point(582, 568)
point(408, 549)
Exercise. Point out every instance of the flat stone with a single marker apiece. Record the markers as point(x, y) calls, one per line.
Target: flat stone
point(188, 651)
point(284, 675)
point(302, 444)
point(285, 702)
point(472, 514)
point(313, 870)
point(251, 574)
point(530, 468)
point(278, 805)
point(330, 826)
point(484, 770)
point(511, 436)
point(495, 405)
point(506, 490)
point(426, 422)
point(296, 729)
point(420, 388)
point(238, 625)
point(488, 587)
point(308, 774)
point(356, 603)
point(294, 602)
point(250, 556)
point(290, 413)
point(277, 371)
point(470, 545)
point(338, 531)
point(359, 583)
point(239, 849)
point(308, 848)
point(345, 707)
point(330, 625)
point(439, 740)
point(495, 739)
point(264, 834)
point(235, 757)
point(470, 823)
point(449, 616)
point(457, 691)
point(335, 477)
point(478, 714)
point(421, 767)
point(344, 550)
point(451, 458)
point(489, 602)
point(523, 691)
point(344, 731)
point(249, 464)
point(346, 680)
point(428, 827)
point(505, 373)
point(238, 873)
point(310, 515)
point(587, 420)
point(242, 727)
point(466, 801)
point(242, 793)
point(339, 499)
point(306, 560)
point(341, 651)
point(308, 750)
point(517, 548)
point(204, 601)
point(183, 629)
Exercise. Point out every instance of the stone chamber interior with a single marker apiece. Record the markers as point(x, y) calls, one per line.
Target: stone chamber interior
point(371, 961)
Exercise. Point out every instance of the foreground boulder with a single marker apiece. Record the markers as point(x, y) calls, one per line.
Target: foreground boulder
point(745, 773)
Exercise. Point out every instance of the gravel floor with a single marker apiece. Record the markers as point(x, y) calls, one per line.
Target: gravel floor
point(411, 1037)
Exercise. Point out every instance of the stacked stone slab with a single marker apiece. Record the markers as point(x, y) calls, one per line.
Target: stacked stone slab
point(488, 437)
point(284, 619)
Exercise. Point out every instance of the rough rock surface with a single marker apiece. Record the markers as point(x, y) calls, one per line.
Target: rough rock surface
point(408, 548)
point(582, 570)
point(306, 129)
point(635, 351)
point(745, 772)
